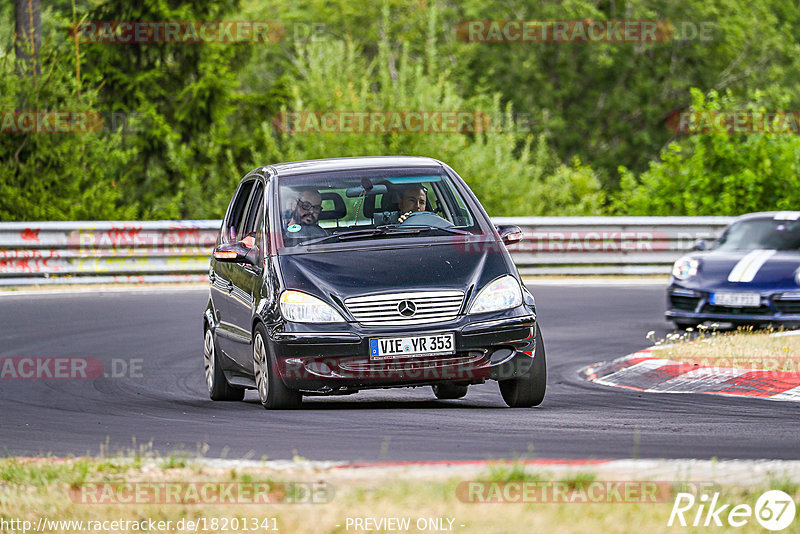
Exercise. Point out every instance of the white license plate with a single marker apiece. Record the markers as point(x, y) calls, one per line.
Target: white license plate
point(398, 347)
point(736, 300)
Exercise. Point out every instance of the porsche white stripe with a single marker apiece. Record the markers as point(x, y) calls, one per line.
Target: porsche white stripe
point(747, 268)
point(787, 215)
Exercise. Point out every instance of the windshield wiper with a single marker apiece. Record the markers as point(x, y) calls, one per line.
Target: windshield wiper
point(380, 230)
point(425, 227)
point(351, 234)
point(356, 234)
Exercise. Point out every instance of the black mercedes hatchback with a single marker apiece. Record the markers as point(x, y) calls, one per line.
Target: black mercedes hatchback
point(333, 276)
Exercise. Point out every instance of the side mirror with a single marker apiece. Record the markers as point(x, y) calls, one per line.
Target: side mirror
point(510, 233)
point(237, 252)
point(700, 245)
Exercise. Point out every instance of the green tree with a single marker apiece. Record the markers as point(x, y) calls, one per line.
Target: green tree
point(718, 173)
point(182, 93)
point(55, 176)
point(609, 103)
point(512, 173)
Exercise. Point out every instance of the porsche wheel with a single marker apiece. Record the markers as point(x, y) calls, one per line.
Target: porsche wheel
point(683, 324)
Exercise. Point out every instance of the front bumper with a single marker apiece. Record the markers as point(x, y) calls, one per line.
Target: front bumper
point(689, 304)
point(316, 358)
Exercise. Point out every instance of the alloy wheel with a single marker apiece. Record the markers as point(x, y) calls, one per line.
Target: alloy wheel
point(261, 370)
point(208, 358)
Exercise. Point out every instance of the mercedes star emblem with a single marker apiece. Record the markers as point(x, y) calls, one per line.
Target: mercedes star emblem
point(407, 308)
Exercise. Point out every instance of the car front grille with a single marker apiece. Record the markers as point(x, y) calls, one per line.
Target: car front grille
point(684, 303)
point(385, 310)
point(730, 310)
point(789, 307)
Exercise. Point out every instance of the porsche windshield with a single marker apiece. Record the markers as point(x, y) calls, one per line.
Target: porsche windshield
point(761, 234)
point(352, 205)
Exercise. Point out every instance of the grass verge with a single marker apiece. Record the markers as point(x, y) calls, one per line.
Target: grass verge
point(57, 490)
point(744, 348)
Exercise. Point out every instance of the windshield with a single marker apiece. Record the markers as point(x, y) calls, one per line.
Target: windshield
point(372, 204)
point(761, 234)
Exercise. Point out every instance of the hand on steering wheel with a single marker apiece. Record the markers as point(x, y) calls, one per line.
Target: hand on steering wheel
point(424, 218)
point(405, 216)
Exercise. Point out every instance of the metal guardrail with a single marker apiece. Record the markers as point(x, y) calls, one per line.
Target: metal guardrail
point(105, 251)
point(88, 252)
point(607, 245)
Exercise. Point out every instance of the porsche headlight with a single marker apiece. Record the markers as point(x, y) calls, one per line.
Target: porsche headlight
point(500, 294)
point(303, 308)
point(685, 268)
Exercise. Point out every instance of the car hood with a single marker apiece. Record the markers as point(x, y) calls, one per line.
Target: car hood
point(746, 268)
point(343, 274)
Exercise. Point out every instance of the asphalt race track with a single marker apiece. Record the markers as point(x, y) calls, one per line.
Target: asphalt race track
point(162, 399)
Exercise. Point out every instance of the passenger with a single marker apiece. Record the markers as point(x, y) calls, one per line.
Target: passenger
point(304, 216)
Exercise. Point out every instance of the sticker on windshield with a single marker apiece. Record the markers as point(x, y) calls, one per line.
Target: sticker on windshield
point(294, 228)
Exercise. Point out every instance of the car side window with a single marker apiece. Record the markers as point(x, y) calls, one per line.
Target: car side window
point(233, 224)
point(250, 226)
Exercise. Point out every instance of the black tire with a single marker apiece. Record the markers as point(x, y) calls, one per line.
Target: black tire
point(218, 387)
point(683, 324)
point(529, 389)
point(449, 391)
point(272, 392)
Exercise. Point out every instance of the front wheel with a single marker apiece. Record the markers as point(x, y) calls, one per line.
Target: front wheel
point(218, 387)
point(528, 390)
point(272, 392)
point(683, 324)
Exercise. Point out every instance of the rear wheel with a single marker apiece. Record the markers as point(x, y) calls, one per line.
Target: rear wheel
point(218, 387)
point(528, 390)
point(272, 392)
point(449, 391)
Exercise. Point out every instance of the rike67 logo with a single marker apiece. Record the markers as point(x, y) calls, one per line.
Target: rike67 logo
point(774, 511)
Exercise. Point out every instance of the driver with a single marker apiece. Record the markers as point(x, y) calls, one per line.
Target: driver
point(413, 198)
point(304, 216)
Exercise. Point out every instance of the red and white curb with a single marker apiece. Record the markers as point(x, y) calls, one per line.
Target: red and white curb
point(641, 371)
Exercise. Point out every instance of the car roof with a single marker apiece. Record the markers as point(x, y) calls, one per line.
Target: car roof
point(783, 215)
point(343, 164)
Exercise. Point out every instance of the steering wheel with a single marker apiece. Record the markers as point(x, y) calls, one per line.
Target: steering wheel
point(425, 218)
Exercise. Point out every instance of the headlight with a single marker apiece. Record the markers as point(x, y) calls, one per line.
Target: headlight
point(797, 276)
point(501, 294)
point(303, 308)
point(685, 268)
